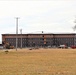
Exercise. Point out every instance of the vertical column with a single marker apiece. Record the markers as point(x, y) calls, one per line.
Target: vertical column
point(16, 32)
point(21, 37)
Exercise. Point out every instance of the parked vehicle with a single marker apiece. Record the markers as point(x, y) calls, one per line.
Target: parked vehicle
point(62, 46)
point(49, 46)
point(73, 47)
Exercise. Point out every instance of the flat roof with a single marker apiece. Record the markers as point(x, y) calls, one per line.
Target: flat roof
point(37, 33)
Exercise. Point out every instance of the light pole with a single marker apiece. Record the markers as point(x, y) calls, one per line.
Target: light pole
point(21, 37)
point(16, 32)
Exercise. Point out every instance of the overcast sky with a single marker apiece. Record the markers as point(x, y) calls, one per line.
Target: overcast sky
point(54, 16)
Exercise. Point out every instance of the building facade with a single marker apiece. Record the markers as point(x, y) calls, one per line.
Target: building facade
point(40, 40)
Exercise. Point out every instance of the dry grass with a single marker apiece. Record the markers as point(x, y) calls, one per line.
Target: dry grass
point(38, 62)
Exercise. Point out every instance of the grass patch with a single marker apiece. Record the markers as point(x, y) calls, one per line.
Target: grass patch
point(38, 62)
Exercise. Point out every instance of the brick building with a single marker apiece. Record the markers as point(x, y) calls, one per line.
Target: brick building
point(43, 39)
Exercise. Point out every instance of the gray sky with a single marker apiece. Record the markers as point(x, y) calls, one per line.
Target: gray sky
point(36, 16)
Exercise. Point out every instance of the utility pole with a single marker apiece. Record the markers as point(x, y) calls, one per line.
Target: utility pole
point(21, 37)
point(16, 32)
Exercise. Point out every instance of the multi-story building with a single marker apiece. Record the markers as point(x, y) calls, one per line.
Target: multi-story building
point(41, 40)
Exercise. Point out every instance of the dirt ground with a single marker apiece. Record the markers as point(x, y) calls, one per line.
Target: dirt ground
point(38, 62)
